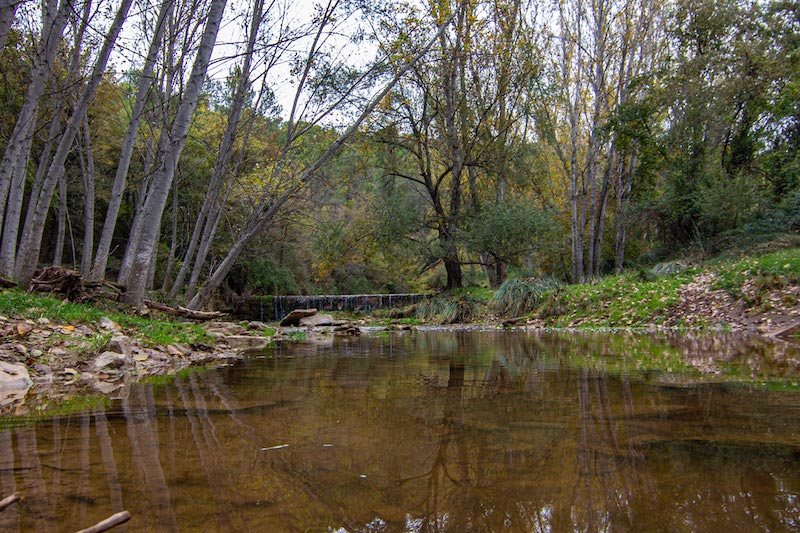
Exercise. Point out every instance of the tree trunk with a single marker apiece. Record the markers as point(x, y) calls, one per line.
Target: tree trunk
point(174, 241)
point(162, 179)
point(226, 147)
point(88, 202)
point(52, 28)
point(31, 242)
point(61, 222)
point(8, 10)
point(128, 143)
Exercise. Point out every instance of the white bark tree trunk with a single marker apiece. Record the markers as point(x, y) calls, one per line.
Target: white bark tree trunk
point(162, 179)
point(128, 143)
point(31, 241)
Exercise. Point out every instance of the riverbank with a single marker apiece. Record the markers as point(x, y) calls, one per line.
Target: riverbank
point(57, 350)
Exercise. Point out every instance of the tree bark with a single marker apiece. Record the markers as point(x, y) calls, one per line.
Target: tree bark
point(162, 179)
point(128, 144)
point(31, 242)
point(54, 22)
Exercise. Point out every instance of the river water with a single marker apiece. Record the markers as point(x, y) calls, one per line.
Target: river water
point(433, 431)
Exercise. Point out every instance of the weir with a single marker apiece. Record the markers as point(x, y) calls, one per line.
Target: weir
point(276, 307)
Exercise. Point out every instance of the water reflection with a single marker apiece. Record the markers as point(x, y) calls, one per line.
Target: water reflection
point(459, 431)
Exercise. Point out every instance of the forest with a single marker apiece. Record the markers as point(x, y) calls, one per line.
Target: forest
point(205, 149)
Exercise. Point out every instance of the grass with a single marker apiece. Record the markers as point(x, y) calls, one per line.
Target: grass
point(517, 297)
point(456, 306)
point(614, 301)
point(769, 271)
point(152, 331)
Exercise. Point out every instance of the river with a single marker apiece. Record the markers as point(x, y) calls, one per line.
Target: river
point(433, 431)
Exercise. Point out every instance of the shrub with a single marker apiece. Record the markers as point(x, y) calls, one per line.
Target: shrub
point(520, 296)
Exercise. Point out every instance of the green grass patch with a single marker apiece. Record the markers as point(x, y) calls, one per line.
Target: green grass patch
point(769, 271)
point(151, 331)
point(615, 301)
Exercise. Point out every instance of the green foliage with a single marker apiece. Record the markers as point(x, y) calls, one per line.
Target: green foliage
point(516, 297)
point(509, 230)
point(265, 277)
point(451, 308)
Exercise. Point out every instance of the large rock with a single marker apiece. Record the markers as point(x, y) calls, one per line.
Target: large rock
point(317, 320)
point(14, 376)
point(110, 361)
point(293, 318)
point(14, 382)
point(224, 328)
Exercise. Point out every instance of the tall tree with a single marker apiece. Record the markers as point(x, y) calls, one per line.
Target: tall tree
point(143, 248)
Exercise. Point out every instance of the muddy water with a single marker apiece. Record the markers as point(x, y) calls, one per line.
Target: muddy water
point(435, 431)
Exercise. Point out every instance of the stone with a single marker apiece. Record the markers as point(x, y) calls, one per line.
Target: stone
point(36, 354)
point(110, 361)
point(58, 352)
point(347, 330)
point(120, 344)
point(225, 328)
point(23, 328)
point(247, 342)
point(293, 318)
point(43, 321)
point(177, 349)
point(256, 324)
point(108, 324)
point(317, 320)
point(14, 376)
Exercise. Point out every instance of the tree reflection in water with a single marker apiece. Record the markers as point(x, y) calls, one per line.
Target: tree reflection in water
point(450, 431)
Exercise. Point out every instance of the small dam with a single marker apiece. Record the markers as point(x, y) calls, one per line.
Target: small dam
point(274, 308)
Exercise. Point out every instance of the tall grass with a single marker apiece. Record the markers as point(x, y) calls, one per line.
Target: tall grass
point(450, 309)
point(519, 296)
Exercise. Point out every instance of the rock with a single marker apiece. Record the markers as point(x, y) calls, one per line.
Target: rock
point(293, 318)
point(255, 324)
point(23, 328)
point(36, 354)
point(247, 342)
point(110, 361)
point(21, 349)
point(347, 329)
point(58, 352)
point(14, 376)
point(140, 356)
point(42, 320)
point(43, 370)
point(177, 349)
point(120, 344)
point(225, 328)
point(316, 320)
point(108, 324)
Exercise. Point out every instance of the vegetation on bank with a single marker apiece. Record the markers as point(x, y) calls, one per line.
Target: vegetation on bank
point(151, 331)
point(635, 299)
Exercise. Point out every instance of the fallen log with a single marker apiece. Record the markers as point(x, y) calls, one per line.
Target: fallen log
point(14, 498)
point(7, 283)
point(112, 521)
point(182, 311)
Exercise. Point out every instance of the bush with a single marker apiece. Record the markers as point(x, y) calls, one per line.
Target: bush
point(520, 296)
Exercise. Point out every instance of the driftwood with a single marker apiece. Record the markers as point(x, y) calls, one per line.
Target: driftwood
point(14, 498)
point(112, 521)
point(182, 311)
point(72, 284)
